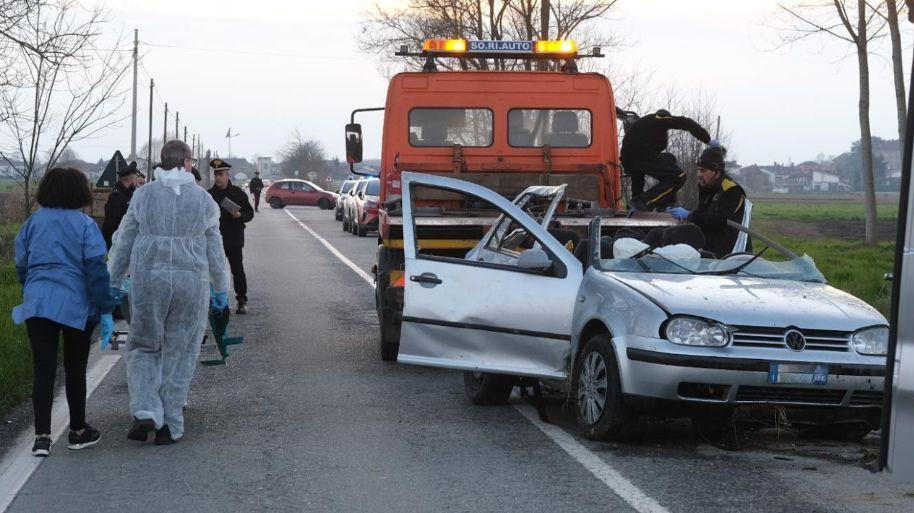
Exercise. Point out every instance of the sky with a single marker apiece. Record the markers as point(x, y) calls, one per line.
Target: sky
point(268, 68)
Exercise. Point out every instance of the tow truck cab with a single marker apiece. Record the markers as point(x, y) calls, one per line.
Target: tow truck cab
point(505, 130)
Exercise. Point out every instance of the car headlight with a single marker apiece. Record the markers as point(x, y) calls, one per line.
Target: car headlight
point(872, 341)
point(692, 331)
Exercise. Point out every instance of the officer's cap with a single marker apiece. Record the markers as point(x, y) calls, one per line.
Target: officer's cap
point(219, 165)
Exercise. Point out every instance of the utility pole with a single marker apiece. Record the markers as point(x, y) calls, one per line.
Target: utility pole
point(149, 147)
point(229, 135)
point(177, 120)
point(717, 133)
point(136, 43)
point(185, 134)
point(165, 125)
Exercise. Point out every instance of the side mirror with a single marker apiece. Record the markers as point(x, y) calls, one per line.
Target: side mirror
point(535, 259)
point(353, 143)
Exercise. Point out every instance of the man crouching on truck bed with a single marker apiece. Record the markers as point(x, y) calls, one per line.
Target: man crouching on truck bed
point(642, 154)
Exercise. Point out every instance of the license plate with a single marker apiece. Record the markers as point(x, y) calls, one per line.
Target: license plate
point(798, 373)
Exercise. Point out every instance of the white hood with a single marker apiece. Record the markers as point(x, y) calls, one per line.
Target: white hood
point(755, 302)
point(174, 178)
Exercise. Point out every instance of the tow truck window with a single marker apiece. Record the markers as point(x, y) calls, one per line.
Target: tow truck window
point(443, 127)
point(559, 128)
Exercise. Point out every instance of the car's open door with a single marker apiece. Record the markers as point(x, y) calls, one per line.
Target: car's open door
point(512, 316)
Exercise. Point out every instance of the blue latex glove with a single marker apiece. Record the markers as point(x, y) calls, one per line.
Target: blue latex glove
point(219, 301)
point(106, 329)
point(714, 142)
point(679, 213)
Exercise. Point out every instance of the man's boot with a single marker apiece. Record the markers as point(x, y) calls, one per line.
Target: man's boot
point(242, 307)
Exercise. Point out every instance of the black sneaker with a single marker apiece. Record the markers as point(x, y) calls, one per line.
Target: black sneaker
point(140, 429)
point(89, 437)
point(42, 446)
point(242, 308)
point(163, 436)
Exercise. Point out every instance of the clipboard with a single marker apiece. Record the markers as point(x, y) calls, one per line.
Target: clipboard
point(230, 205)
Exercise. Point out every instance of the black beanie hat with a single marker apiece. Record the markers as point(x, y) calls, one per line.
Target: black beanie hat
point(712, 158)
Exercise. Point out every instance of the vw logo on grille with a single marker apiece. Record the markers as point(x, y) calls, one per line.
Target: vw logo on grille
point(795, 340)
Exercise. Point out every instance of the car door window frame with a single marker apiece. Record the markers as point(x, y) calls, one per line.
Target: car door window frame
point(559, 269)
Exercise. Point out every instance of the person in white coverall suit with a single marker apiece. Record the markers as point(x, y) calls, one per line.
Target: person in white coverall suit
point(170, 246)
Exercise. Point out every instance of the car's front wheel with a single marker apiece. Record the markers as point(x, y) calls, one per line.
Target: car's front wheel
point(275, 202)
point(601, 411)
point(323, 203)
point(486, 389)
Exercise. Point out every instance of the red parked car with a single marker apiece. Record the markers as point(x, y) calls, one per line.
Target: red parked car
point(299, 192)
point(365, 207)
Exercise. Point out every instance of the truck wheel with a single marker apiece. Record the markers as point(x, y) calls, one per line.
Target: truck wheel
point(601, 411)
point(486, 389)
point(388, 260)
point(345, 224)
point(275, 202)
point(390, 336)
point(360, 230)
point(324, 204)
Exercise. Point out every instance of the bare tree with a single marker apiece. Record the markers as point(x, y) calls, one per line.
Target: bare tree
point(302, 155)
point(388, 28)
point(854, 23)
point(889, 10)
point(66, 89)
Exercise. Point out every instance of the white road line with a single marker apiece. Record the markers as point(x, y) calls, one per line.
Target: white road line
point(365, 276)
point(625, 489)
point(19, 463)
point(622, 487)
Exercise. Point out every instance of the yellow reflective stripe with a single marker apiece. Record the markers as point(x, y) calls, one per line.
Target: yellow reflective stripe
point(741, 200)
point(435, 243)
point(664, 193)
point(727, 184)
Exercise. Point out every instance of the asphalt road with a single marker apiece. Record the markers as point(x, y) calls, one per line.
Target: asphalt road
point(305, 417)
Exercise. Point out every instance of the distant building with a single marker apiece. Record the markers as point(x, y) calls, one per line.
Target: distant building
point(265, 166)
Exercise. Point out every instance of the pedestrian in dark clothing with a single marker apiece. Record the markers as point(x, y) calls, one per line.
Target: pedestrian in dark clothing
point(60, 262)
point(256, 186)
point(236, 211)
point(118, 201)
point(719, 199)
point(643, 155)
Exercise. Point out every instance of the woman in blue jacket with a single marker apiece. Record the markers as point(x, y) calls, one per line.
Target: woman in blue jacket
point(60, 260)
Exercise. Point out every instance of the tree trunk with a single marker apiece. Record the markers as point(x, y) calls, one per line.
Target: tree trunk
point(544, 30)
point(866, 140)
point(897, 67)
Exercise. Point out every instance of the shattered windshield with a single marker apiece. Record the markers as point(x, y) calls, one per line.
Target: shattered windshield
point(798, 269)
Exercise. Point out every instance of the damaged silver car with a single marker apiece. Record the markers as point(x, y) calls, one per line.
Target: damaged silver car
point(623, 328)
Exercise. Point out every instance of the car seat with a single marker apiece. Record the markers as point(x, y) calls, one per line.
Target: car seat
point(564, 132)
point(518, 135)
point(434, 134)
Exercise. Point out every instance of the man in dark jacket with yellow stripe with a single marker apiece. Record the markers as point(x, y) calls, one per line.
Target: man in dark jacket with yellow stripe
point(643, 154)
point(719, 199)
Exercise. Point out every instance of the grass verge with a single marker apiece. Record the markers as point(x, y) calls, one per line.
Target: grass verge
point(825, 211)
point(15, 353)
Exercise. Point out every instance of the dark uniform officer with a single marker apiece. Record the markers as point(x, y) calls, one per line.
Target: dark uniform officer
point(232, 227)
point(719, 199)
point(256, 186)
point(642, 155)
point(118, 201)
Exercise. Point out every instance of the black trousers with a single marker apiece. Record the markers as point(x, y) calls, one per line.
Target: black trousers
point(236, 264)
point(44, 335)
point(256, 199)
point(663, 168)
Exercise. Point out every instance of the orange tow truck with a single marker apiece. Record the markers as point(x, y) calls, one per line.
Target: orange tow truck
point(505, 130)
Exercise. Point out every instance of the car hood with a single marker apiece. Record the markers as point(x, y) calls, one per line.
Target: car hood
point(749, 301)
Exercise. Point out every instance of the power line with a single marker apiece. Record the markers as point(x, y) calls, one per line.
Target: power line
point(263, 54)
